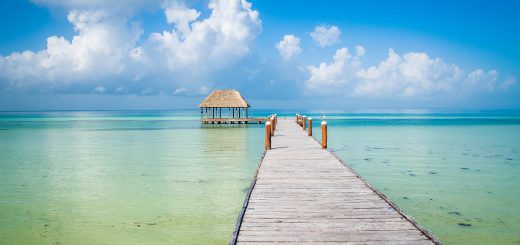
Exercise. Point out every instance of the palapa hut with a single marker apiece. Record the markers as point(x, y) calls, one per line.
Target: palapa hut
point(223, 106)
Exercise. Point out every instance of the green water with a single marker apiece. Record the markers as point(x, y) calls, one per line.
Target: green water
point(91, 178)
point(159, 177)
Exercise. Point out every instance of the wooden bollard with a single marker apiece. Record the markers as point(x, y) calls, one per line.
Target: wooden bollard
point(310, 126)
point(304, 120)
point(268, 135)
point(275, 121)
point(324, 134)
point(271, 120)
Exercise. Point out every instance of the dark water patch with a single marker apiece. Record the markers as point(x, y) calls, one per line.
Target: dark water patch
point(387, 161)
point(433, 172)
point(464, 224)
point(367, 159)
point(181, 181)
point(493, 156)
point(405, 198)
point(152, 223)
point(455, 213)
point(382, 148)
point(509, 159)
point(465, 168)
point(412, 175)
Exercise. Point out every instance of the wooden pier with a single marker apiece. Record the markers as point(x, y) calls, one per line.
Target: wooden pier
point(304, 194)
point(232, 120)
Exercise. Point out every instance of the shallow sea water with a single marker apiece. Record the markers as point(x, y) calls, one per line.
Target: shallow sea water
point(457, 175)
point(160, 177)
point(114, 178)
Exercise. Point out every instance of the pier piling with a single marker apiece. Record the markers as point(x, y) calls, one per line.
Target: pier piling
point(310, 127)
point(324, 134)
point(268, 135)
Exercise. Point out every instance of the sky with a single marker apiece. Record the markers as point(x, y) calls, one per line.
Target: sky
point(292, 54)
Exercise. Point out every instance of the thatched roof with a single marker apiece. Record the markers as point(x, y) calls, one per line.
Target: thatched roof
point(224, 98)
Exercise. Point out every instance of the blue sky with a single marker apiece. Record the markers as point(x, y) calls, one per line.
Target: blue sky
point(350, 55)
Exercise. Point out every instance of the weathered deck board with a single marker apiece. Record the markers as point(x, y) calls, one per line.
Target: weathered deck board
point(304, 194)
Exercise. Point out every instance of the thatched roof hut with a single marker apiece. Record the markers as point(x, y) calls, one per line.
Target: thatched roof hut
point(230, 98)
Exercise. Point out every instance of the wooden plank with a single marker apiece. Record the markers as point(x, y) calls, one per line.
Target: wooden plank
point(303, 194)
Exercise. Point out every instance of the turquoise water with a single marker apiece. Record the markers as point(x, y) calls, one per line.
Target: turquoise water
point(158, 177)
point(456, 174)
point(122, 178)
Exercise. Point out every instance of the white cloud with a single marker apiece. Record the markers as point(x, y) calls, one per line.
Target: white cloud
point(288, 47)
point(360, 50)
point(181, 16)
point(410, 74)
point(99, 89)
point(208, 43)
point(192, 91)
point(508, 83)
point(339, 71)
point(106, 46)
point(482, 79)
point(99, 49)
point(326, 36)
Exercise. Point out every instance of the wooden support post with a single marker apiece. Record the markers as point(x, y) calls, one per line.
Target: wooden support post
point(310, 126)
point(274, 122)
point(324, 134)
point(304, 121)
point(271, 120)
point(267, 135)
point(296, 118)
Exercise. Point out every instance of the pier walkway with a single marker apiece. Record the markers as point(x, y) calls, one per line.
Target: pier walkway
point(303, 194)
